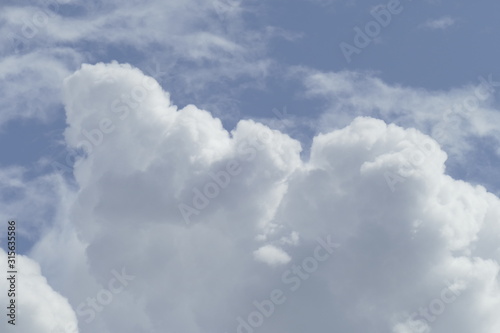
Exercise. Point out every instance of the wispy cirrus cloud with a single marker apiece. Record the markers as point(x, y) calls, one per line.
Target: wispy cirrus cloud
point(198, 43)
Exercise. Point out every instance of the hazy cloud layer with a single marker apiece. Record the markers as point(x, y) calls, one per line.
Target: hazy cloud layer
point(189, 45)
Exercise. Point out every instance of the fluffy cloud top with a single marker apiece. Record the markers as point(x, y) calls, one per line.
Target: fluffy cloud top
point(454, 118)
point(367, 234)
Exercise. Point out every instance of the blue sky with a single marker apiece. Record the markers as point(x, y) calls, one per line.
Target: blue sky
point(339, 125)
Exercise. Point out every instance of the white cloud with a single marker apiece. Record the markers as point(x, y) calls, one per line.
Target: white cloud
point(32, 85)
point(399, 250)
point(452, 117)
point(272, 255)
point(441, 23)
point(38, 307)
point(196, 43)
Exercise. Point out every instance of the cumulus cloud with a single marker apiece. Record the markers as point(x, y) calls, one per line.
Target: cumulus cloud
point(457, 118)
point(367, 234)
point(39, 308)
